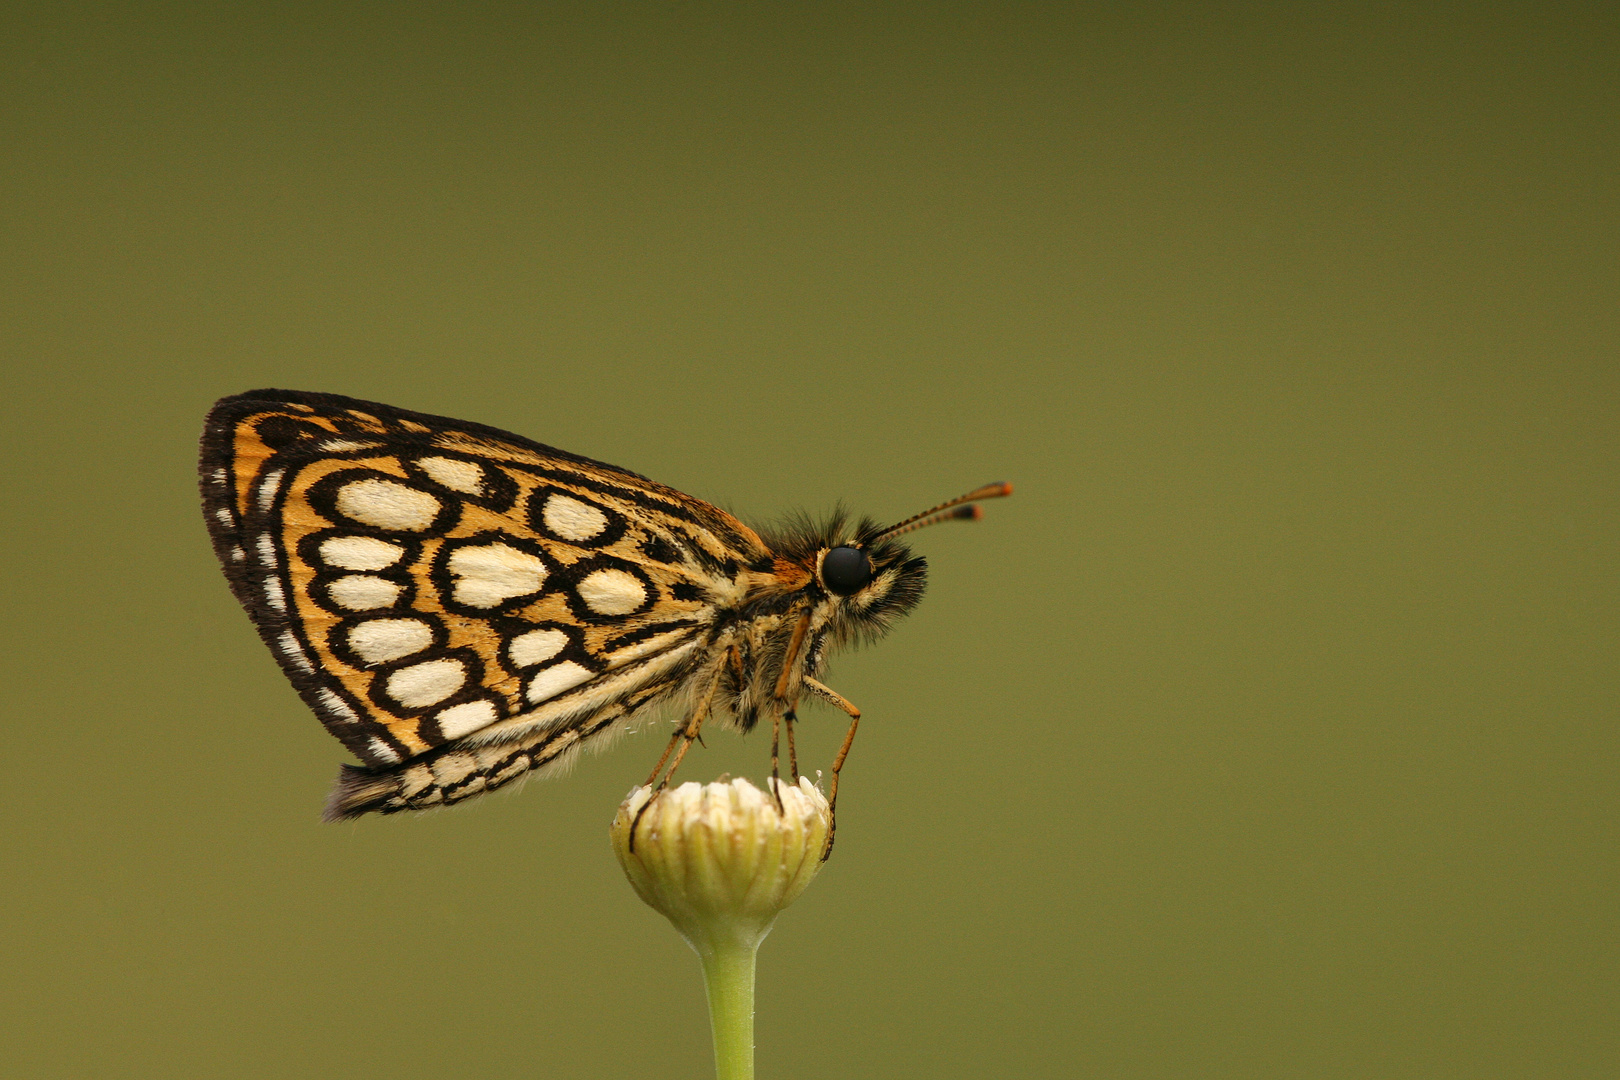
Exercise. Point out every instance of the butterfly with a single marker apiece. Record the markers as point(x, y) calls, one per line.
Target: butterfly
point(463, 607)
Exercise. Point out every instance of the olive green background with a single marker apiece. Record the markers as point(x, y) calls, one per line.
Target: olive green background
point(1268, 731)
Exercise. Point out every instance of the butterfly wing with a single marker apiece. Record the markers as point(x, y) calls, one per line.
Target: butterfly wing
point(425, 581)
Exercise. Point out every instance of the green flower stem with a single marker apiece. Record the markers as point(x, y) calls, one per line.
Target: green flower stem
point(728, 972)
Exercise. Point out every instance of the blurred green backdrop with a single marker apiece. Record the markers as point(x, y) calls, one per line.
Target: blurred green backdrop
point(1268, 732)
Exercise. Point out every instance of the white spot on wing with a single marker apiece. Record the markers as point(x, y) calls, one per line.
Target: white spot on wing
point(237, 554)
point(381, 751)
point(273, 594)
point(490, 574)
point(458, 720)
point(293, 651)
point(554, 680)
point(612, 592)
point(360, 553)
point(339, 446)
point(378, 641)
point(536, 647)
point(225, 518)
point(415, 780)
point(361, 592)
point(452, 769)
point(426, 683)
point(461, 476)
point(572, 519)
point(337, 705)
point(387, 504)
point(267, 489)
point(267, 549)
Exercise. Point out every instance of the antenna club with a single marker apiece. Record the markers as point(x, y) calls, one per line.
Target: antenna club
point(954, 510)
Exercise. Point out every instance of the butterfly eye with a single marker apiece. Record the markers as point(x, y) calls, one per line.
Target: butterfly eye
point(845, 570)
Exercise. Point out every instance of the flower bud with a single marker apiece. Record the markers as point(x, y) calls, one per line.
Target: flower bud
point(719, 860)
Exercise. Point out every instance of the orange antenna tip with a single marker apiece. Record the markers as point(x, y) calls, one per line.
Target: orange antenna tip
point(997, 490)
point(954, 510)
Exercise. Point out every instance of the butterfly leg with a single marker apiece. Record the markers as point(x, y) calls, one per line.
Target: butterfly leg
point(686, 736)
point(790, 661)
point(776, 778)
point(792, 717)
point(837, 699)
point(658, 768)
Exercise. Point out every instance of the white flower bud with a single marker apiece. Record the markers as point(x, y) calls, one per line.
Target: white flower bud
point(719, 860)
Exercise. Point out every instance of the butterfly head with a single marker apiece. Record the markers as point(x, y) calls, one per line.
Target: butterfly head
point(869, 583)
point(870, 576)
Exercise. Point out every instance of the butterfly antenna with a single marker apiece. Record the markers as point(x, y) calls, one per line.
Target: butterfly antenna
point(954, 510)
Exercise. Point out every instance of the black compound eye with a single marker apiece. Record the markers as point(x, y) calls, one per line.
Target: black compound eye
point(845, 570)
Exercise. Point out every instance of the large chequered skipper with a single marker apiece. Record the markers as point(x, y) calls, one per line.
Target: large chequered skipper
point(463, 607)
